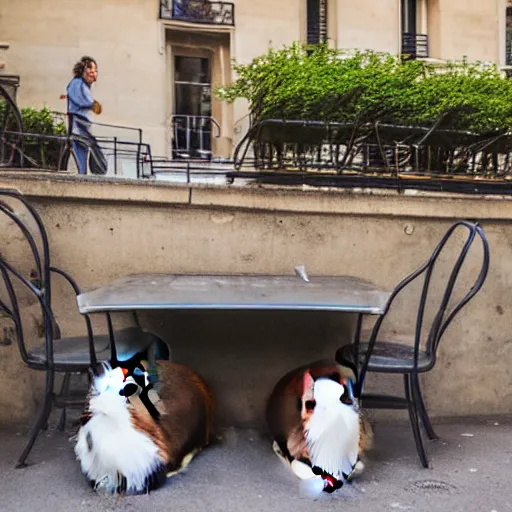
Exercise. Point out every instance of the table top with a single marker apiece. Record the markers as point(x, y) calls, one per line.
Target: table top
point(222, 292)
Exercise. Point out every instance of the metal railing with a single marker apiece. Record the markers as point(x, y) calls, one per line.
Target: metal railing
point(198, 11)
point(191, 136)
point(376, 154)
point(415, 46)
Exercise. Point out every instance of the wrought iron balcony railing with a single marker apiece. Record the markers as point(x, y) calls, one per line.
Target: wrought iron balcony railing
point(198, 11)
point(415, 45)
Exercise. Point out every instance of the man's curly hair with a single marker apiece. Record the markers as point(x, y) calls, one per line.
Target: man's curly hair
point(82, 64)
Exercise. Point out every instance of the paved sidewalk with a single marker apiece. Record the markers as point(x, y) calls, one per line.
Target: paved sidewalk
point(471, 471)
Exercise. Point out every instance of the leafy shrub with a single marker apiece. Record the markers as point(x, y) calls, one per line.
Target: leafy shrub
point(40, 153)
point(322, 84)
point(45, 153)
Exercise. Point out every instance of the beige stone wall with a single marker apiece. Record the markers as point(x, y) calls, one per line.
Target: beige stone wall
point(101, 229)
point(47, 38)
point(131, 46)
point(366, 24)
point(467, 29)
point(259, 25)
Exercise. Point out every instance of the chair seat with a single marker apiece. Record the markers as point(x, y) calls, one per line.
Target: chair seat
point(73, 352)
point(387, 357)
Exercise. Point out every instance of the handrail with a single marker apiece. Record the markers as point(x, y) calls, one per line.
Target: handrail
point(95, 123)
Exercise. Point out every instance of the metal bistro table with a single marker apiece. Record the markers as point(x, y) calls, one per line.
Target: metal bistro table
point(227, 292)
point(248, 356)
point(236, 292)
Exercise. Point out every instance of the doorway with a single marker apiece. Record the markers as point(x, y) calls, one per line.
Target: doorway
point(192, 118)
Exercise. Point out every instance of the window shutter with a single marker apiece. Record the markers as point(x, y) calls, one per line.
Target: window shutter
point(316, 21)
point(508, 40)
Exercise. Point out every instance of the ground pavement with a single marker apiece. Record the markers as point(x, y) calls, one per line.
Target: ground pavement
point(471, 471)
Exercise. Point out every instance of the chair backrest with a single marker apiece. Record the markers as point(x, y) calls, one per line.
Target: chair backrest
point(445, 312)
point(26, 273)
point(21, 222)
point(25, 266)
point(9, 309)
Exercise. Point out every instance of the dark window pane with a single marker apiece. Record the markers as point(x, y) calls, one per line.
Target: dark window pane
point(313, 22)
point(508, 41)
point(409, 16)
point(192, 69)
point(316, 21)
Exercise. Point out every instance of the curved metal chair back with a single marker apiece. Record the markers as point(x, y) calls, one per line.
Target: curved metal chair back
point(27, 226)
point(31, 270)
point(9, 309)
point(444, 314)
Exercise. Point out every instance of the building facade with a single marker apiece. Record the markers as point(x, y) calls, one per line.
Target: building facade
point(161, 60)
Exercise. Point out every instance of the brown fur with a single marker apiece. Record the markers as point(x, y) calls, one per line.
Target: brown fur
point(145, 423)
point(286, 415)
point(186, 424)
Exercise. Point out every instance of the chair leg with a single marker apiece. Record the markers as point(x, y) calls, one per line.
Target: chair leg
point(64, 391)
point(416, 390)
point(415, 425)
point(42, 419)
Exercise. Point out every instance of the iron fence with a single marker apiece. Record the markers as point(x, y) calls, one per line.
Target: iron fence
point(375, 154)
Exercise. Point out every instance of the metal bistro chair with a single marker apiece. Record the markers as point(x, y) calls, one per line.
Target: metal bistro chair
point(30, 277)
point(386, 356)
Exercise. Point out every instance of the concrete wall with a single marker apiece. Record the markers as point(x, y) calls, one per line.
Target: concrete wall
point(103, 229)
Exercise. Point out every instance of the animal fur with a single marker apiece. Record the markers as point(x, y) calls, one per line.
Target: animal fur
point(124, 449)
point(288, 418)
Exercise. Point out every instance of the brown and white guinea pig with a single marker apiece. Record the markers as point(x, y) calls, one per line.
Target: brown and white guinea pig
point(316, 425)
point(131, 439)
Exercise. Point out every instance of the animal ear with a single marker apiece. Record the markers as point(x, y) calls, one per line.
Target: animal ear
point(308, 398)
point(307, 386)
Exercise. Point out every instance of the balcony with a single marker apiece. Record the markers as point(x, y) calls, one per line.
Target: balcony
point(415, 46)
point(198, 11)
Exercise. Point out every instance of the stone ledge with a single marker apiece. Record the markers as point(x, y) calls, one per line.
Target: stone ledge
point(337, 201)
point(301, 199)
point(93, 188)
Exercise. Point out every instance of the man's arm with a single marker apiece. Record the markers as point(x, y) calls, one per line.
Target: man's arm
point(80, 94)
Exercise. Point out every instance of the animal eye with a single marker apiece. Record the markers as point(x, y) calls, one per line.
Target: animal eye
point(345, 398)
point(310, 405)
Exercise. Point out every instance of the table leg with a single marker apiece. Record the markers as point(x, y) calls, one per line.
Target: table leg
point(356, 342)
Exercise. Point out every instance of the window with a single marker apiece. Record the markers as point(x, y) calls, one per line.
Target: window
point(316, 21)
point(508, 35)
point(192, 107)
point(414, 43)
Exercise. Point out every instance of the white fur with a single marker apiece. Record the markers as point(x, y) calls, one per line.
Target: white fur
point(332, 433)
point(117, 447)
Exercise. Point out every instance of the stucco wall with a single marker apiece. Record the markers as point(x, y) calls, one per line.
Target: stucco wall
point(128, 40)
point(47, 38)
point(369, 25)
point(100, 230)
point(468, 29)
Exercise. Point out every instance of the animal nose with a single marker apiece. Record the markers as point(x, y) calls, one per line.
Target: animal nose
point(345, 399)
point(131, 388)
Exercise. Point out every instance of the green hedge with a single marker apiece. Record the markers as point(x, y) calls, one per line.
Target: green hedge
point(318, 83)
point(44, 153)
